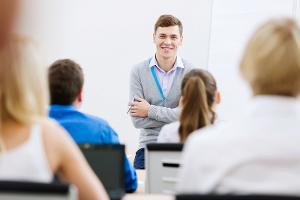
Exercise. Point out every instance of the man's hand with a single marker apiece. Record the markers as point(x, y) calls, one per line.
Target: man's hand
point(139, 108)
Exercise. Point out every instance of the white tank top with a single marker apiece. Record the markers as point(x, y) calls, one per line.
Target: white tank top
point(28, 161)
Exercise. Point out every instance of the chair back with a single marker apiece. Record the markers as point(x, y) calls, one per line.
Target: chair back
point(162, 164)
point(21, 190)
point(234, 197)
point(107, 161)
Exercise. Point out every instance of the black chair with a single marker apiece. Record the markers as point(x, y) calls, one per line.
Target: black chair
point(107, 161)
point(233, 197)
point(17, 190)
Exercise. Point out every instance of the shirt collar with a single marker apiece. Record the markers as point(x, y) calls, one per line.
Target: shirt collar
point(278, 105)
point(62, 107)
point(178, 63)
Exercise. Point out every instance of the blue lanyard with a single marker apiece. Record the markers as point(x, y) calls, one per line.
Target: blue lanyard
point(156, 82)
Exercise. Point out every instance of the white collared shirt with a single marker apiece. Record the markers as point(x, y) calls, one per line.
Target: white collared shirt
point(258, 153)
point(169, 133)
point(165, 79)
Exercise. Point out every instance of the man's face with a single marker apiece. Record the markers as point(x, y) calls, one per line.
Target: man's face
point(167, 41)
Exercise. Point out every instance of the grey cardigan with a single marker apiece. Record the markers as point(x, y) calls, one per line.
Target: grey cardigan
point(161, 112)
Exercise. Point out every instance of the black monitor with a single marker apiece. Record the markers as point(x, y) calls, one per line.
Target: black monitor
point(107, 161)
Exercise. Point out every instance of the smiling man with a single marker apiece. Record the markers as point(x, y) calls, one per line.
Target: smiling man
point(155, 84)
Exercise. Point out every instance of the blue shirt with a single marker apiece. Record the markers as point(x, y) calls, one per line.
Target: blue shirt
point(85, 128)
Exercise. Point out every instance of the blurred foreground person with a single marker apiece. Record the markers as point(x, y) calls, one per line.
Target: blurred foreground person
point(27, 136)
point(259, 152)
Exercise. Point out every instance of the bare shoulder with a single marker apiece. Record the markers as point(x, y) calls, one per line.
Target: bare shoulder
point(53, 132)
point(56, 138)
point(58, 144)
point(65, 157)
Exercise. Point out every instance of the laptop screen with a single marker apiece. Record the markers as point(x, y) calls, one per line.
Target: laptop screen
point(107, 161)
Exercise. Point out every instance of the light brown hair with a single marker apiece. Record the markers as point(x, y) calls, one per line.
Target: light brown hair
point(168, 20)
point(271, 61)
point(198, 90)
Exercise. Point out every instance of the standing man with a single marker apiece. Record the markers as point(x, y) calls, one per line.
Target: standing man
point(66, 83)
point(155, 84)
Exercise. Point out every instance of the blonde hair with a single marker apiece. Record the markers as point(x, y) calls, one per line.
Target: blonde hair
point(271, 61)
point(198, 89)
point(23, 84)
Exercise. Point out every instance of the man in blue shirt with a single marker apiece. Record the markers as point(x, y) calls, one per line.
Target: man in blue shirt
point(66, 83)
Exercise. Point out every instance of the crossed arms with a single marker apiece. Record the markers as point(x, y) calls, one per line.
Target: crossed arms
point(143, 114)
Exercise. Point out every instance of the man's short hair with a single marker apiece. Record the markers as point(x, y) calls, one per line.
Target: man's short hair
point(168, 20)
point(65, 81)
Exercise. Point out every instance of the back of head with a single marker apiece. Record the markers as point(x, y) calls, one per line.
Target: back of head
point(198, 90)
point(168, 20)
point(23, 85)
point(271, 61)
point(65, 81)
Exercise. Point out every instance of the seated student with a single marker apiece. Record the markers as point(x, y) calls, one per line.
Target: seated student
point(66, 83)
point(199, 97)
point(259, 152)
point(33, 148)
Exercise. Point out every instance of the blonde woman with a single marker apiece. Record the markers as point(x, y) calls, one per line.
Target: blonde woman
point(32, 147)
point(199, 98)
point(259, 152)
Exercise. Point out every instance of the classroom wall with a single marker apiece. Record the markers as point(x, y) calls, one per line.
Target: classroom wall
point(108, 38)
point(233, 21)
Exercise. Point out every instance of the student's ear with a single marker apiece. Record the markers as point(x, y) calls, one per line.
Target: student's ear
point(217, 97)
point(80, 96)
point(180, 101)
point(78, 101)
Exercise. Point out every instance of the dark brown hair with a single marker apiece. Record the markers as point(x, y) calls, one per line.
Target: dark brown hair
point(166, 21)
point(65, 81)
point(198, 91)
